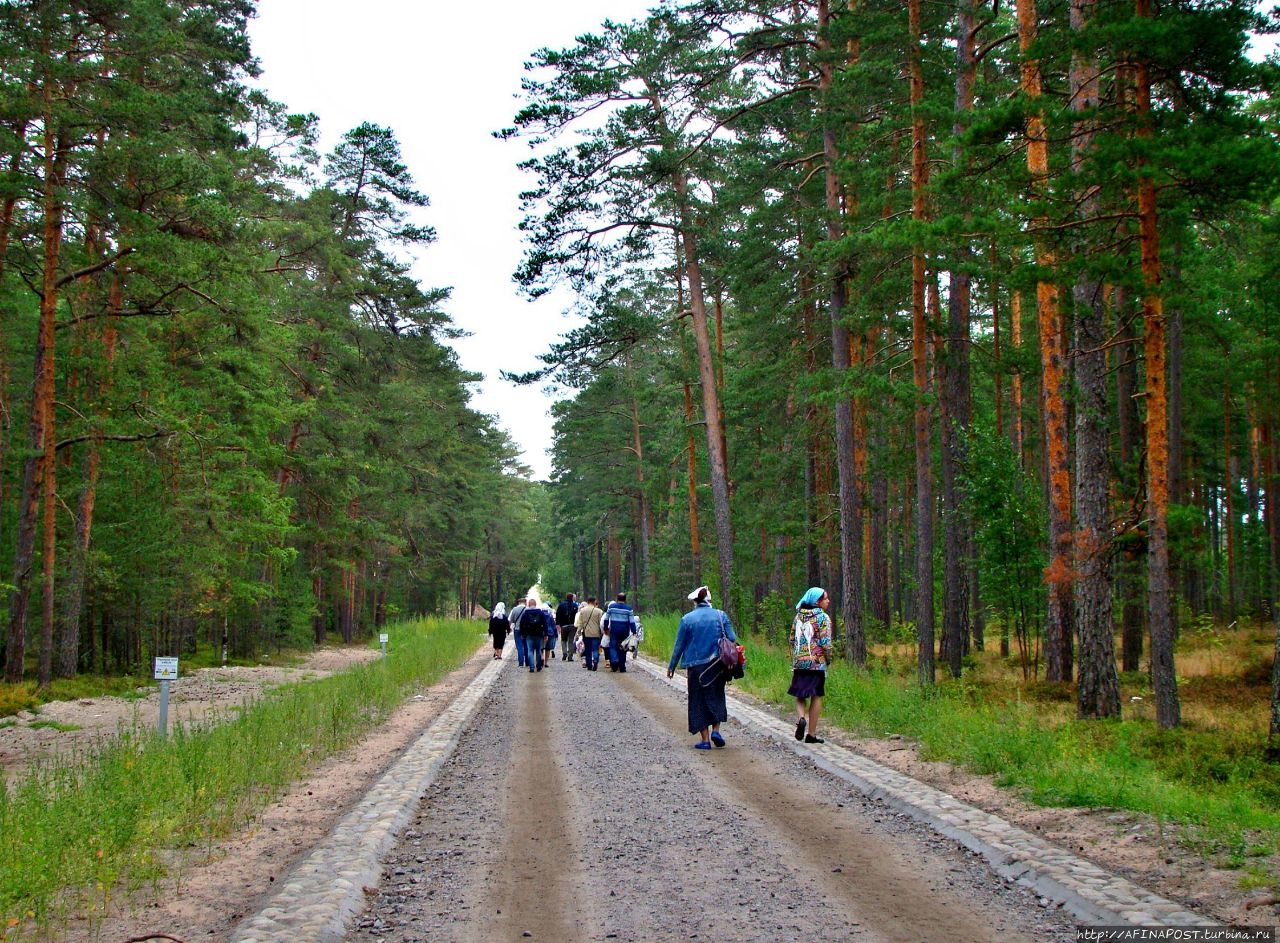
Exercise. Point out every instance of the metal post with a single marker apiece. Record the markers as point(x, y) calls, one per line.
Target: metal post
point(164, 708)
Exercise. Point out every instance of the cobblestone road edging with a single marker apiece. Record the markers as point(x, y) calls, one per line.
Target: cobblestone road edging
point(1083, 889)
point(326, 889)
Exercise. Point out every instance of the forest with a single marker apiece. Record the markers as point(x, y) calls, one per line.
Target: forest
point(968, 312)
point(229, 416)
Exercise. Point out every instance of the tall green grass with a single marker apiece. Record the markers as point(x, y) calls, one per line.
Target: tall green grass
point(1212, 786)
point(76, 831)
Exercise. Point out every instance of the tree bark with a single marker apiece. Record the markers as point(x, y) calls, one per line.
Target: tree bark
point(1132, 583)
point(77, 569)
point(718, 460)
point(646, 574)
point(954, 402)
point(1098, 691)
point(850, 495)
point(1159, 593)
point(39, 480)
point(691, 457)
point(1058, 627)
point(925, 670)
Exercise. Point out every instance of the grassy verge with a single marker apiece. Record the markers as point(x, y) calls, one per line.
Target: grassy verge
point(1208, 781)
point(77, 831)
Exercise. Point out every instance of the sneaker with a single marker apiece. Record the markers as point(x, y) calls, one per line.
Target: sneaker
point(716, 738)
point(810, 738)
point(800, 725)
point(702, 745)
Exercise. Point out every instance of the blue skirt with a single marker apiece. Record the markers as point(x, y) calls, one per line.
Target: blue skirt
point(806, 684)
point(706, 697)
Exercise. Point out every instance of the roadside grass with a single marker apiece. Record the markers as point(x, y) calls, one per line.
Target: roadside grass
point(1208, 783)
point(77, 832)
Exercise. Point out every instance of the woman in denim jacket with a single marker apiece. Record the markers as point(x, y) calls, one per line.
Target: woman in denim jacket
point(697, 642)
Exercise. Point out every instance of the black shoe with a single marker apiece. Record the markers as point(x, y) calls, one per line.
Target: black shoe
point(810, 738)
point(800, 725)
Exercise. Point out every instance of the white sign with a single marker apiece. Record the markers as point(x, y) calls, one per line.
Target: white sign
point(166, 669)
point(382, 639)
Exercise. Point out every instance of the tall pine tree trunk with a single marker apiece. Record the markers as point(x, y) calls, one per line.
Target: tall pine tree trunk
point(954, 401)
point(1058, 628)
point(850, 495)
point(925, 670)
point(39, 479)
point(691, 458)
point(1159, 592)
point(77, 569)
point(1132, 576)
point(644, 522)
point(718, 460)
point(7, 209)
point(1098, 692)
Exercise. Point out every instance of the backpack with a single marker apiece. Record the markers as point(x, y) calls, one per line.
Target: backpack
point(531, 622)
point(801, 639)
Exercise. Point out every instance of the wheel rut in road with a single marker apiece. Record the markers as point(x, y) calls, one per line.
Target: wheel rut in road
point(834, 847)
point(536, 841)
point(576, 810)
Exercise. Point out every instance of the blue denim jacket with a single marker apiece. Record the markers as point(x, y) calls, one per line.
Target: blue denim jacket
point(698, 635)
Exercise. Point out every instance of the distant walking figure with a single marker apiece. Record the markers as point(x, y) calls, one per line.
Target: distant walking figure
point(499, 626)
point(588, 621)
point(810, 655)
point(534, 624)
point(566, 612)
point(618, 617)
point(516, 612)
point(697, 644)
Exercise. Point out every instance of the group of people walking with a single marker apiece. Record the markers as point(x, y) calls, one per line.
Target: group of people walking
point(581, 628)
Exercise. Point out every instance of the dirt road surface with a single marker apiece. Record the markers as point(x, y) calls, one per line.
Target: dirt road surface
point(575, 809)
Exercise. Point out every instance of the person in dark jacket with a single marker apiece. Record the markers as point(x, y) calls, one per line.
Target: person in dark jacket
point(566, 612)
point(697, 645)
point(499, 626)
point(535, 622)
point(516, 612)
point(618, 617)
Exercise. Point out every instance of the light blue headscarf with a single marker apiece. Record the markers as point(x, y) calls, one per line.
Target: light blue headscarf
point(811, 597)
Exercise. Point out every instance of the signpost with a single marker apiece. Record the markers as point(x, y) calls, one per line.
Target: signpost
point(382, 640)
point(166, 671)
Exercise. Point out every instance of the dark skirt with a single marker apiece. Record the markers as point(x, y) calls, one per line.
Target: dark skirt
point(706, 700)
point(806, 684)
point(499, 639)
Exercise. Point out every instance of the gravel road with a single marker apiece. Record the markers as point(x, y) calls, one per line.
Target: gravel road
point(575, 809)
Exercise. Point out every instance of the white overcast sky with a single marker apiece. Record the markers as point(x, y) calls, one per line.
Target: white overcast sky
point(443, 75)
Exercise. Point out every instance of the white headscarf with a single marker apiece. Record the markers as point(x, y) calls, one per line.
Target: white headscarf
point(700, 591)
point(500, 610)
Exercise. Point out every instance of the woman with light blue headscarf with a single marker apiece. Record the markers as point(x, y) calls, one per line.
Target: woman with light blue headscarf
point(810, 640)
